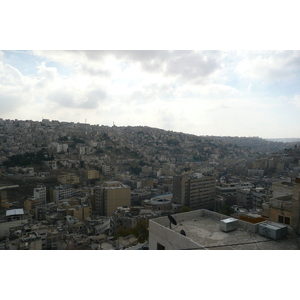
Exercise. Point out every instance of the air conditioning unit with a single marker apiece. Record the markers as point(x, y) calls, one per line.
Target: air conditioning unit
point(228, 224)
point(272, 230)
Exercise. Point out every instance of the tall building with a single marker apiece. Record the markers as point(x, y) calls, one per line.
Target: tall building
point(109, 196)
point(61, 192)
point(40, 193)
point(195, 191)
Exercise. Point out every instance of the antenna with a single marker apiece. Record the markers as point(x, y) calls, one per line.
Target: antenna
point(172, 220)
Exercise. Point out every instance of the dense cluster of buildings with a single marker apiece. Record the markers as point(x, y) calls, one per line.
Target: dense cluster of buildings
point(76, 186)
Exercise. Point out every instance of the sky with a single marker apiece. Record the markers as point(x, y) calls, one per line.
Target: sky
point(233, 86)
point(223, 93)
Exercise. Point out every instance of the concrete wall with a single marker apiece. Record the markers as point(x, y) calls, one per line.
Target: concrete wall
point(170, 239)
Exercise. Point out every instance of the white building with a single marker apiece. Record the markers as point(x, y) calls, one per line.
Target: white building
point(40, 193)
point(61, 192)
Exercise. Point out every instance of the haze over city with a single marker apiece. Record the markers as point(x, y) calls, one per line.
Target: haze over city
point(221, 93)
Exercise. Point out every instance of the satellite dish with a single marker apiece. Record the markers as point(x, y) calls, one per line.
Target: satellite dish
point(182, 232)
point(172, 220)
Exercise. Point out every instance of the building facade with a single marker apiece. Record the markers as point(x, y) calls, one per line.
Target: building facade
point(196, 191)
point(111, 195)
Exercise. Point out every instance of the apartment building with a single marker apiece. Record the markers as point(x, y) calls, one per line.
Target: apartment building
point(40, 193)
point(111, 195)
point(195, 191)
point(68, 178)
point(284, 206)
point(60, 192)
point(92, 174)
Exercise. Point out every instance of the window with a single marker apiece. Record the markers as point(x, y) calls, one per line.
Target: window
point(160, 246)
point(284, 220)
point(287, 221)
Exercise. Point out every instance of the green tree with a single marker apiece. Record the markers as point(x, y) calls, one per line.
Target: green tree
point(140, 231)
point(184, 209)
point(227, 210)
point(136, 170)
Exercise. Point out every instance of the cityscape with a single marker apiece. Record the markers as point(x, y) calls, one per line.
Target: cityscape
point(76, 186)
point(149, 150)
point(115, 136)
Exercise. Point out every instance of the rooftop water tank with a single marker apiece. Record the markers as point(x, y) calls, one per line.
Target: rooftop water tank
point(272, 230)
point(228, 224)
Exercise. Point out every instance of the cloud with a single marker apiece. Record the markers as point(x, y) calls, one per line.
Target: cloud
point(188, 65)
point(194, 65)
point(92, 70)
point(69, 98)
point(10, 75)
point(94, 97)
point(269, 66)
point(49, 74)
point(9, 101)
point(62, 97)
point(296, 100)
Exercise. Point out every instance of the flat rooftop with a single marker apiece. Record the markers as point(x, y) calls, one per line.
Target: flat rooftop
point(204, 229)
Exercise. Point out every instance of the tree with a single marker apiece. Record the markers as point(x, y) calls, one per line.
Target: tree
point(184, 209)
point(140, 231)
point(121, 231)
point(227, 210)
point(136, 170)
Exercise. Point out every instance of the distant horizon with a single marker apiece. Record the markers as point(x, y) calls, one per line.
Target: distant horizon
point(217, 93)
point(98, 124)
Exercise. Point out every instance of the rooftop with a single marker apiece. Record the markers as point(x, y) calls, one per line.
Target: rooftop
point(202, 227)
point(12, 212)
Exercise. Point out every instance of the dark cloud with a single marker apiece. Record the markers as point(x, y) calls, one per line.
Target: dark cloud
point(187, 64)
point(194, 65)
point(93, 71)
point(89, 101)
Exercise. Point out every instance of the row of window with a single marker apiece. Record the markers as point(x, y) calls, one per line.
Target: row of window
point(284, 220)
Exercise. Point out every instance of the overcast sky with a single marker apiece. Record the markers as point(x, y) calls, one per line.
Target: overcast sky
point(236, 93)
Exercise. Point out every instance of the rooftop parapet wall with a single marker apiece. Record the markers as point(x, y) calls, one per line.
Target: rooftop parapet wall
point(164, 221)
point(170, 239)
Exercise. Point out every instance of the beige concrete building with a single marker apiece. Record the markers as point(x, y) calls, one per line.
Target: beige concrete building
point(92, 174)
point(111, 195)
point(285, 207)
point(68, 178)
point(31, 203)
point(81, 212)
point(195, 191)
